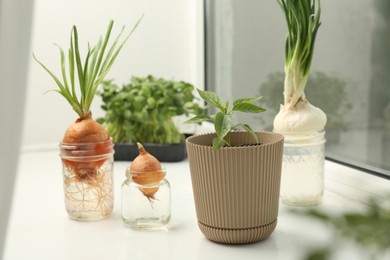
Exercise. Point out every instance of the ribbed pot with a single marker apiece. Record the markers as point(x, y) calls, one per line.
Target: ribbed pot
point(236, 189)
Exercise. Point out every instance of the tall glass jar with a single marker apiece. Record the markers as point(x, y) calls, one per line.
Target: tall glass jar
point(302, 180)
point(88, 179)
point(145, 207)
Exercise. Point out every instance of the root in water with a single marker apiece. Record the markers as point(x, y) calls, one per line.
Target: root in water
point(150, 193)
point(89, 194)
point(152, 200)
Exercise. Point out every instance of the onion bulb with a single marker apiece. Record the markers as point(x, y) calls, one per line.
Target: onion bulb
point(304, 117)
point(297, 115)
point(146, 170)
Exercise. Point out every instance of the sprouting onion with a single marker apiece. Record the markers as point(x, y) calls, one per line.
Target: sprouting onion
point(90, 73)
point(303, 21)
point(86, 144)
point(87, 74)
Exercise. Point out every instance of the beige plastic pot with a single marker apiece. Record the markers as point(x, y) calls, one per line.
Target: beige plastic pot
point(236, 189)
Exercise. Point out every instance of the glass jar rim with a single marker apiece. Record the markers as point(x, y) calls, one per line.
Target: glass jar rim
point(89, 150)
point(108, 142)
point(135, 173)
point(304, 139)
point(302, 135)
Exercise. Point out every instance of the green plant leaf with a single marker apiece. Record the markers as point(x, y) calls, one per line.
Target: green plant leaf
point(151, 103)
point(218, 142)
point(100, 51)
point(198, 119)
point(71, 69)
point(223, 124)
point(246, 100)
point(319, 254)
point(95, 52)
point(142, 109)
point(250, 130)
point(211, 98)
point(90, 73)
point(62, 55)
point(226, 108)
point(78, 63)
point(303, 21)
point(248, 108)
point(223, 120)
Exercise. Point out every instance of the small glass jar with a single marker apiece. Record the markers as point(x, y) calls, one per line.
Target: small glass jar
point(145, 207)
point(302, 180)
point(88, 179)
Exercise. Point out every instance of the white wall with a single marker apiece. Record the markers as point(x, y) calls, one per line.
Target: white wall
point(14, 46)
point(168, 43)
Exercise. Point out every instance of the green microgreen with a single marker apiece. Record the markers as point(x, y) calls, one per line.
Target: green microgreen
point(142, 109)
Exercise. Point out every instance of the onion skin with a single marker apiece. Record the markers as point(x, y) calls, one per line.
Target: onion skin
point(85, 130)
point(146, 170)
point(304, 117)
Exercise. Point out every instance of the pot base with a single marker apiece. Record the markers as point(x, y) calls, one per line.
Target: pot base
point(237, 235)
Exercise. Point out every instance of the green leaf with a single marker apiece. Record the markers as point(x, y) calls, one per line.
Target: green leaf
point(62, 90)
point(50, 73)
point(198, 119)
point(319, 254)
point(71, 69)
point(62, 55)
point(89, 95)
point(246, 100)
point(92, 66)
point(151, 103)
point(211, 98)
point(250, 130)
point(218, 142)
point(225, 111)
point(90, 72)
point(110, 58)
point(223, 124)
point(303, 21)
point(101, 49)
point(78, 60)
point(100, 120)
point(248, 108)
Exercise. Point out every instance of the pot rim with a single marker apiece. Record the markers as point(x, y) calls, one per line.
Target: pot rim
point(279, 138)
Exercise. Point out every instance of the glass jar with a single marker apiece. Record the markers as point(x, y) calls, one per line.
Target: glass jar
point(302, 180)
point(145, 207)
point(88, 179)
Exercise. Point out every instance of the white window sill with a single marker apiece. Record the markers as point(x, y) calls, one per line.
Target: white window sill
point(40, 229)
